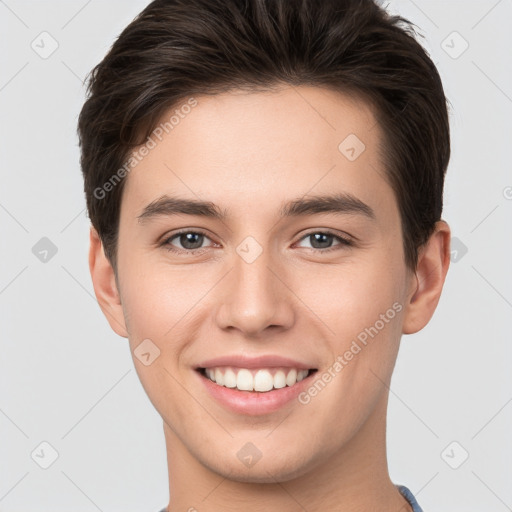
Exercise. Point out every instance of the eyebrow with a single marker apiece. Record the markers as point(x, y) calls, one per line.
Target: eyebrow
point(340, 203)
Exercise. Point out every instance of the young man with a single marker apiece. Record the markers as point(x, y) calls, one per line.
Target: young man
point(264, 180)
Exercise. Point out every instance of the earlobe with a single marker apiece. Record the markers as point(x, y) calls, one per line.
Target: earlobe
point(433, 264)
point(105, 287)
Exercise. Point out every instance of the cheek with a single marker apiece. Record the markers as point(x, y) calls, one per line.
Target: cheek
point(156, 295)
point(353, 295)
point(160, 306)
point(360, 308)
point(167, 306)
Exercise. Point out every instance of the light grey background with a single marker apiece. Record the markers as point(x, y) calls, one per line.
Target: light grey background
point(68, 380)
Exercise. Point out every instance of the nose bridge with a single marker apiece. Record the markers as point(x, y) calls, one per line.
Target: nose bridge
point(255, 298)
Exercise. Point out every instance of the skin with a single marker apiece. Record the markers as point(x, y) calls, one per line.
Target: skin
point(248, 153)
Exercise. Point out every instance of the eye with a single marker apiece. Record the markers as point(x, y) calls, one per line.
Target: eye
point(191, 241)
point(322, 241)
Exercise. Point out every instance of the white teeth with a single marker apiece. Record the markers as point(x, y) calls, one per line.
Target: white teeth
point(291, 378)
point(219, 377)
point(244, 380)
point(263, 381)
point(229, 379)
point(255, 380)
point(301, 375)
point(279, 379)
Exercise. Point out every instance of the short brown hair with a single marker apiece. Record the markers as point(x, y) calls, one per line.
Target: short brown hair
point(175, 49)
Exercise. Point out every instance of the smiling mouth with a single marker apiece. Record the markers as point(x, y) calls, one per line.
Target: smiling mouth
point(255, 380)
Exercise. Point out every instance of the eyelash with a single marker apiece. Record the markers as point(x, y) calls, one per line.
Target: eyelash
point(344, 242)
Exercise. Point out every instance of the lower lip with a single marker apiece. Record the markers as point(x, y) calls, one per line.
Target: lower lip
point(253, 402)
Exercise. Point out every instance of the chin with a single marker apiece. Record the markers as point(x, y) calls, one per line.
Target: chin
point(262, 472)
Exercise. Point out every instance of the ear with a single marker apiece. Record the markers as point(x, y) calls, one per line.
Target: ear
point(428, 281)
point(105, 287)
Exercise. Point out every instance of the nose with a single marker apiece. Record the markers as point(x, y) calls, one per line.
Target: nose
point(256, 297)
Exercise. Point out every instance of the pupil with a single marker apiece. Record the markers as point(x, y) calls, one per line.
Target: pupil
point(188, 238)
point(321, 238)
point(195, 239)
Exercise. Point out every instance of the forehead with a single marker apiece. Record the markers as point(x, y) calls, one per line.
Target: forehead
point(237, 147)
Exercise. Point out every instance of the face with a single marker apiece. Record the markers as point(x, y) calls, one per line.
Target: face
point(264, 279)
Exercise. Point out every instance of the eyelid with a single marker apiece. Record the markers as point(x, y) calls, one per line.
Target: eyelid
point(345, 240)
point(165, 241)
point(327, 231)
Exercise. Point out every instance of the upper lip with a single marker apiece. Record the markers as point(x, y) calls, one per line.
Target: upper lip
point(263, 361)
